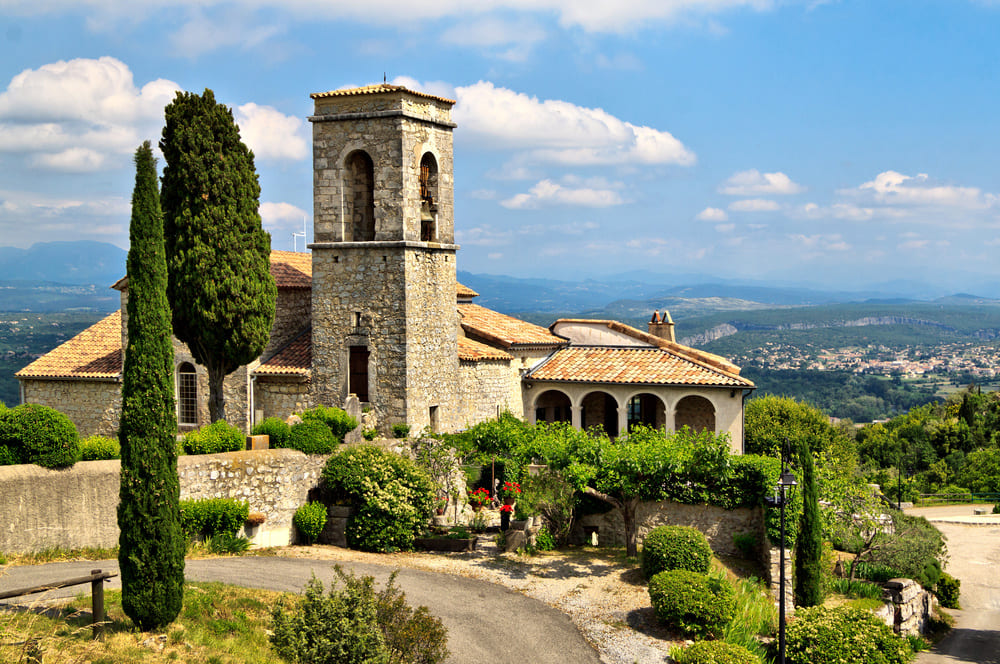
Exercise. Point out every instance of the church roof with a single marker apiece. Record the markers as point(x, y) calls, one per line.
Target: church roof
point(291, 269)
point(295, 359)
point(471, 350)
point(379, 88)
point(95, 353)
point(503, 330)
point(631, 365)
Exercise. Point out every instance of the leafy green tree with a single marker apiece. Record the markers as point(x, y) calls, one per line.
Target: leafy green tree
point(809, 547)
point(151, 545)
point(218, 257)
point(770, 421)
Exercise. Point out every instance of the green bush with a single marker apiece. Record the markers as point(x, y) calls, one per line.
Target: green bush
point(9, 456)
point(393, 498)
point(309, 520)
point(276, 429)
point(38, 434)
point(544, 541)
point(400, 430)
point(227, 543)
point(819, 635)
point(996, 509)
point(930, 574)
point(338, 421)
point(675, 547)
point(355, 624)
point(212, 516)
point(312, 437)
point(713, 652)
point(746, 544)
point(947, 590)
point(99, 448)
point(369, 434)
point(219, 436)
point(694, 603)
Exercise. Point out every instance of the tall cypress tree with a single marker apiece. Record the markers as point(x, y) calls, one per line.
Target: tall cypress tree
point(809, 544)
point(220, 287)
point(151, 544)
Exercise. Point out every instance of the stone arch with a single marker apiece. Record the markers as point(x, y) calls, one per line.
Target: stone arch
point(359, 197)
point(187, 395)
point(600, 408)
point(695, 412)
point(428, 197)
point(553, 406)
point(647, 410)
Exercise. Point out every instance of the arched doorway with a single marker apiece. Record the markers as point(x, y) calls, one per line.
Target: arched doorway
point(695, 412)
point(646, 410)
point(359, 197)
point(428, 198)
point(553, 406)
point(600, 409)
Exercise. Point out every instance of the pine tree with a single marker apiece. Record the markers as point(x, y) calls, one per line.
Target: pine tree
point(809, 544)
point(220, 288)
point(151, 544)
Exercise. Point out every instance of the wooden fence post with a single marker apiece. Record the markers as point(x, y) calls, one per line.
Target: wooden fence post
point(97, 602)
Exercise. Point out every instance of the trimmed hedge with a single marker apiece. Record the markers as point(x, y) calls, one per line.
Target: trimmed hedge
point(219, 436)
point(277, 430)
point(948, 589)
point(31, 433)
point(309, 520)
point(714, 652)
point(675, 547)
point(312, 437)
point(820, 635)
point(338, 421)
point(208, 517)
point(694, 603)
point(99, 448)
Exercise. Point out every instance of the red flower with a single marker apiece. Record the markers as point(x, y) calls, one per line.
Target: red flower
point(507, 508)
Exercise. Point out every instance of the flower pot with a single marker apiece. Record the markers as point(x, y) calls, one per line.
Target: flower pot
point(520, 524)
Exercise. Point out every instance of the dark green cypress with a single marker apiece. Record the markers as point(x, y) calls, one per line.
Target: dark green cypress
point(220, 287)
point(151, 544)
point(809, 544)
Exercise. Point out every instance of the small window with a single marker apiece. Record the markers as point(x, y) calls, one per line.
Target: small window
point(187, 395)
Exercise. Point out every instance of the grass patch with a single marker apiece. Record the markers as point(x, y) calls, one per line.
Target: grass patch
point(756, 616)
point(59, 555)
point(218, 624)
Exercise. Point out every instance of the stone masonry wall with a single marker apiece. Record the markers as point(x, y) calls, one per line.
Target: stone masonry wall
point(292, 313)
point(77, 507)
point(281, 398)
point(717, 524)
point(93, 406)
point(487, 388)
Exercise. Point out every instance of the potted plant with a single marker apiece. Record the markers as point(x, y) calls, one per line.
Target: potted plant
point(479, 498)
point(510, 491)
point(440, 505)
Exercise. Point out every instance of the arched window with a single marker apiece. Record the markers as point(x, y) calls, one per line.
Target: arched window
point(646, 410)
point(695, 412)
point(359, 197)
point(187, 395)
point(553, 406)
point(600, 409)
point(428, 197)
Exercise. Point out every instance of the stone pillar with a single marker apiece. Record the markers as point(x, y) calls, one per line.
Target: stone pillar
point(576, 416)
point(774, 563)
point(622, 420)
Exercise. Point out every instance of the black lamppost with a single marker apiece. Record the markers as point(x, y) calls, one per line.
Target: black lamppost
point(780, 499)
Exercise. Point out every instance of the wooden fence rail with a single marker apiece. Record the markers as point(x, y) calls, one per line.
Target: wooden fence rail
point(96, 580)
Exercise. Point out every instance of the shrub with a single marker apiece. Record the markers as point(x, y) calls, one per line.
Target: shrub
point(40, 435)
point(99, 448)
point(996, 509)
point(338, 421)
point(277, 431)
point(713, 652)
point(400, 430)
point(370, 434)
point(312, 437)
point(227, 543)
point(392, 497)
point(746, 543)
point(219, 436)
point(355, 624)
point(310, 520)
point(947, 590)
point(694, 603)
point(549, 494)
point(544, 540)
point(819, 635)
point(675, 547)
point(9, 456)
point(212, 516)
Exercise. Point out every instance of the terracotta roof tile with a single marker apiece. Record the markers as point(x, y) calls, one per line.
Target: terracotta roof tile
point(95, 353)
point(291, 269)
point(472, 350)
point(655, 366)
point(379, 88)
point(465, 292)
point(295, 359)
point(503, 330)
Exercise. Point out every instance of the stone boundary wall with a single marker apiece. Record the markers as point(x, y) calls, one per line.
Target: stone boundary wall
point(77, 507)
point(908, 607)
point(719, 525)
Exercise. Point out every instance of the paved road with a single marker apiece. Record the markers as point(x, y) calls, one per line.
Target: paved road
point(974, 558)
point(485, 622)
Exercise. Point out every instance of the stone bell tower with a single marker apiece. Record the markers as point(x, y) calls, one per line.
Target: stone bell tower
point(384, 319)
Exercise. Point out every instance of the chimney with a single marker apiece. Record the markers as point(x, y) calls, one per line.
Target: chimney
point(662, 327)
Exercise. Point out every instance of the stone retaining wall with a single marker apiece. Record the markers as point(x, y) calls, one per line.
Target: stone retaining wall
point(77, 507)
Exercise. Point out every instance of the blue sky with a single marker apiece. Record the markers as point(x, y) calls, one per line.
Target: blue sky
point(839, 143)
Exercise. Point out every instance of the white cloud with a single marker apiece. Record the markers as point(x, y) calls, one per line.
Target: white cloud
point(754, 205)
point(844, 211)
point(826, 242)
point(282, 217)
point(80, 115)
point(547, 193)
point(484, 235)
point(893, 188)
point(517, 36)
point(26, 217)
point(712, 214)
point(272, 134)
point(202, 34)
point(725, 228)
point(560, 132)
point(494, 256)
point(755, 183)
point(911, 245)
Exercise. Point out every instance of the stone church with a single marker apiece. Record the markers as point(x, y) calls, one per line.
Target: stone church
point(375, 310)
